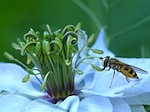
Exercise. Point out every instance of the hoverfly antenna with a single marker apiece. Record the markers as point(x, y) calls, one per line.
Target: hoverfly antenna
point(100, 58)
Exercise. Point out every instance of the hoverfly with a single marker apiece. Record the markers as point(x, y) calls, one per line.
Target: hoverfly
point(125, 69)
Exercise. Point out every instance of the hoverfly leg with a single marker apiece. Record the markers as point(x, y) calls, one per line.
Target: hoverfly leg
point(112, 79)
point(104, 68)
point(108, 69)
point(127, 79)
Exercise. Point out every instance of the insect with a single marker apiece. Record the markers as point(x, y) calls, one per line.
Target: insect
point(125, 69)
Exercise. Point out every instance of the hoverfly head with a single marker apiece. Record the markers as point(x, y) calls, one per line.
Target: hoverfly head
point(105, 61)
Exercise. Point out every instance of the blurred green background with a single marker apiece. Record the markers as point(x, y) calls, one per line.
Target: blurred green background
point(16, 17)
point(126, 22)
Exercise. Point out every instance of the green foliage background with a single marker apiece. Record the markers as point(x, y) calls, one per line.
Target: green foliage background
point(126, 22)
point(16, 17)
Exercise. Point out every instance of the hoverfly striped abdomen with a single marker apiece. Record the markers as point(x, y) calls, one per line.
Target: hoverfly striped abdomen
point(128, 71)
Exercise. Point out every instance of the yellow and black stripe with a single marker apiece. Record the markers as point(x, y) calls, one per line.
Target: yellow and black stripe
point(128, 71)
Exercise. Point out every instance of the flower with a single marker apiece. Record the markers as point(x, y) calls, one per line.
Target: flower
point(95, 96)
point(124, 96)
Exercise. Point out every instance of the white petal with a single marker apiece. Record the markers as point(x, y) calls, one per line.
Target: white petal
point(40, 105)
point(71, 103)
point(101, 45)
point(95, 103)
point(82, 40)
point(13, 103)
point(102, 82)
point(120, 105)
point(143, 99)
point(11, 80)
point(87, 69)
point(89, 73)
point(138, 108)
point(35, 83)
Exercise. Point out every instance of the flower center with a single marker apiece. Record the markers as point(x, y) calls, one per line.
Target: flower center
point(53, 58)
point(52, 55)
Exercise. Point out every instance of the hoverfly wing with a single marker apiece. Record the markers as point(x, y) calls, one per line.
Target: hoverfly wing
point(139, 70)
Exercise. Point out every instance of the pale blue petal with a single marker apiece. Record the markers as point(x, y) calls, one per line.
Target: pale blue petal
point(82, 40)
point(80, 109)
point(13, 103)
point(143, 99)
point(138, 108)
point(74, 59)
point(11, 80)
point(102, 82)
point(40, 105)
point(88, 75)
point(101, 45)
point(35, 70)
point(71, 103)
point(85, 68)
point(120, 105)
point(36, 84)
point(95, 103)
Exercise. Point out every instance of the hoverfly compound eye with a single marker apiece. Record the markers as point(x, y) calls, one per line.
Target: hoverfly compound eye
point(100, 58)
point(108, 57)
point(106, 62)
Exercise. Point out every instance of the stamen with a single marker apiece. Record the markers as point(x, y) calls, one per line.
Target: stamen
point(52, 55)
